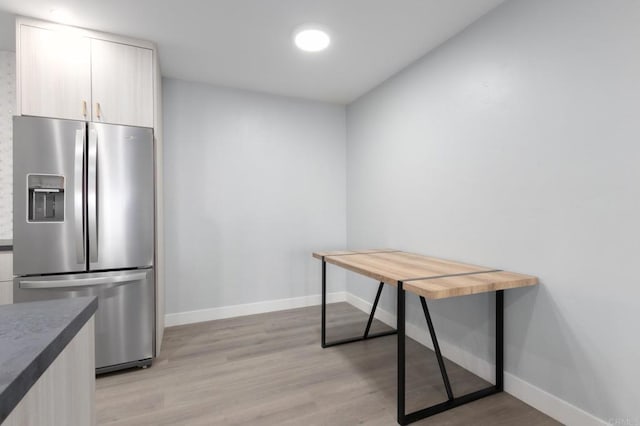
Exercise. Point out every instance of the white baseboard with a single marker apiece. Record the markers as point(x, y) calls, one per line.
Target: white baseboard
point(211, 314)
point(549, 404)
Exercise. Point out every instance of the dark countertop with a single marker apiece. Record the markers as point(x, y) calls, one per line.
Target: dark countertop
point(32, 335)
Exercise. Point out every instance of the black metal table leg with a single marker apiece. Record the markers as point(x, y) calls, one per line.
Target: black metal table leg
point(400, 314)
point(323, 339)
point(366, 335)
point(500, 340)
point(452, 402)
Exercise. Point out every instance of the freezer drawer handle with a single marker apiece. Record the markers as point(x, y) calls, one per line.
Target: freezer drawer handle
point(86, 282)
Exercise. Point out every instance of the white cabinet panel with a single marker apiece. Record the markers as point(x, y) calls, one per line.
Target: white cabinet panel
point(6, 266)
point(54, 73)
point(122, 83)
point(6, 292)
point(6, 277)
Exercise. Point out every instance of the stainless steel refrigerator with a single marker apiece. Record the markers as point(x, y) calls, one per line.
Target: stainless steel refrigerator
point(83, 217)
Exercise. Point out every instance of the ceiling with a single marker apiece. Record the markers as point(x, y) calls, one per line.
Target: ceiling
point(247, 43)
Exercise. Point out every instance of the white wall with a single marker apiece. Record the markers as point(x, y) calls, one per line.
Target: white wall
point(516, 145)
point(7, 31)
point(253, 184)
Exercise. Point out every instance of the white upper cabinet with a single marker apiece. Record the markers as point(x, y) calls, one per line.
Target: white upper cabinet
point(122, 83)
point(54, 74)
point(66, 72)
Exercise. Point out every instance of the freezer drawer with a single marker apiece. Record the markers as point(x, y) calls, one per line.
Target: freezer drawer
point(125, 318)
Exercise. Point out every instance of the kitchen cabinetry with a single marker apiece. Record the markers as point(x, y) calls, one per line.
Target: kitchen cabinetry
point(74, 74)
point(6, 277)
point(122, 83)
point(55, 72)
point(60, 69)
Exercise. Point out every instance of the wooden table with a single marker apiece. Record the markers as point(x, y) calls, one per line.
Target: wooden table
point(428, 278)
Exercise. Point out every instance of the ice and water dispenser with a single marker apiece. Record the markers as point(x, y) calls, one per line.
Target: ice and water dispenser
point(46, 198)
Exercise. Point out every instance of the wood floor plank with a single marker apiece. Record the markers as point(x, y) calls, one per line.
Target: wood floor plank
point(269, 369)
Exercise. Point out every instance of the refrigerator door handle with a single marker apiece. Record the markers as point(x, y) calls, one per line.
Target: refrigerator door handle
point(83, 282)
point(78, 179)
point(92, 191)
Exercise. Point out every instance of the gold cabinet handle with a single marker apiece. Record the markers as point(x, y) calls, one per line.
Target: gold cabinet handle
point(98, 109)
point(84, 108)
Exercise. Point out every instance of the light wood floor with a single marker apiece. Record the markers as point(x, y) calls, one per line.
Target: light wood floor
point(269, 369)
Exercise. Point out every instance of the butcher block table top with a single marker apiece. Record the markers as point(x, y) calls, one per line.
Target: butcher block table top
point(430, 277)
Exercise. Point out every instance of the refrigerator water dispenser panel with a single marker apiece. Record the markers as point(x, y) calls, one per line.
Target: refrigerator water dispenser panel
point(45, 195)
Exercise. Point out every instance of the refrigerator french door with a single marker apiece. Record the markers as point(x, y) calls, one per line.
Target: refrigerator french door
point(84, 225)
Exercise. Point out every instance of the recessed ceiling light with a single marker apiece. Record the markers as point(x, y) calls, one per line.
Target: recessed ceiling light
point(61, 15)
point(311, 38)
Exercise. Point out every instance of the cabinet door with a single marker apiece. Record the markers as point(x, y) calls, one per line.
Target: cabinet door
point(6, 277)
point(122, 83)
point(55, 79)
point(6, 266)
